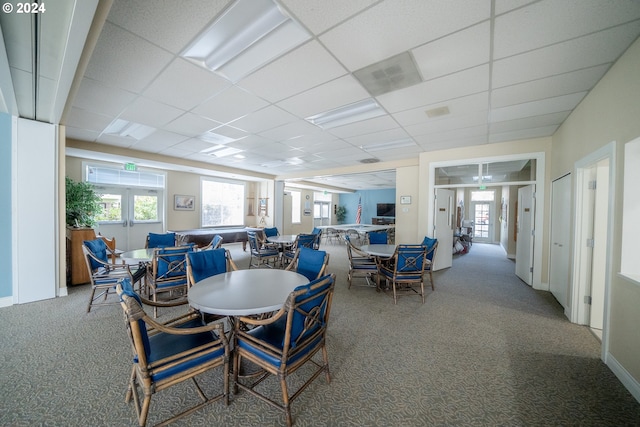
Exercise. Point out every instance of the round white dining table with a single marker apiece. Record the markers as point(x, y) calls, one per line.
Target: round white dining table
point(379, 250)
point(137, 255)
point(285, 239)
point(244, 292)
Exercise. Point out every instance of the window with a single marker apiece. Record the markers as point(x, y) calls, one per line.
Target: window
point(222, 203)
point(296, 202)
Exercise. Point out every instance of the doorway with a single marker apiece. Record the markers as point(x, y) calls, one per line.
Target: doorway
point(482, 214)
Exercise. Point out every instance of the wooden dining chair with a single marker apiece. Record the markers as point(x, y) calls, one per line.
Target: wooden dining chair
point(404, 270)
point(310, 263)
point(167, 273)
point(169, 353)
point(286, 342)
point(361, 264)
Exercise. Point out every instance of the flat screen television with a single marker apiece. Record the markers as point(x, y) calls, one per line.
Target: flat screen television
point(386, 209)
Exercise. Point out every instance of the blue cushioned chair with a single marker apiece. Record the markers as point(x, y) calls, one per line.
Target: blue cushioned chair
point(104, 274)
point(165, 354)
point(318, 233)
point(165, 240)
point(261, 255)
point(286, 341)
point(405, 270)
point(271, 231)
point(203, 264)
point(378, 238)
point(215, 243)
point(302, 241)
point(361, 264)
point(432, 246)
point(168, 272)
point(310, 263)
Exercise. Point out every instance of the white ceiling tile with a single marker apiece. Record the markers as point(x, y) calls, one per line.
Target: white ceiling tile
point(337, 93)
point(447, 123)
point(502, 6)
point(131, 68)
point(364, 127)
point(595, 49)
point(519, 31)
point(453, 135)
point(96, 97)
point(230, 105)
point(464, 49)
point(561, 84)
point(190, 124)
point(378, 137)
point(304, 67)
point(87, 120)
point(158, 141)
point(291, 130)
point(373, 36)
point(170, 24)
point(537, 108)
point(456, 143)
point(463, 105)
point(523, 134)
point(264, 119)
point(81, 134)
point(185, 85)
point(464, 83)
point(151, 113)
point(320, 15)
point(554, 119)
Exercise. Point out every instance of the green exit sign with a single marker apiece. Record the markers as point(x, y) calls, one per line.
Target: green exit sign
point(483, 187)
point(130, 167)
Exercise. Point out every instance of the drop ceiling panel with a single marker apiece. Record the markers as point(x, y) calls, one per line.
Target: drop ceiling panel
point(464, 49)
point(190, 124)
point(169, 24)
point(518, 31)
point(185, 85)
point(230, 105)
point(537, 108)
point(291, 130)
point(453, 86)
point(83, 119)
point(264, 119)
point(561, 84)
point(159, 141)
point(502, 6)
point(305, 67)
point(447, 123)
point(364, 127)
point(522, 134)
point(373, 36)
point(544, 120)
point(151, 113)
point(463, 105)
point(596, 49)
point(336, 93)
point(453, 135)
point(332, 12)
point(96, 97)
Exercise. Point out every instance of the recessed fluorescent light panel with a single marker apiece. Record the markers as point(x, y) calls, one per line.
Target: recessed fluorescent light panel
point(401, 143)
point(358, 111)
point(221, 151)
point(125, 128)
point(249, 34)
point(391, 74)
point(215, 138)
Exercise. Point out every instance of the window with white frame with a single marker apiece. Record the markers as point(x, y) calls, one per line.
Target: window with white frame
point(222, 202)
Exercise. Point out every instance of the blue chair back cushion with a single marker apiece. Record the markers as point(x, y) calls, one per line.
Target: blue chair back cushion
point(380, 238)
point(429, 243)
point(270, 232)
point(306, 240)
point(274, 333)
point(217, 239)
point(207, 263)
point(99, 249)
point(310, 262)
point(162, 240)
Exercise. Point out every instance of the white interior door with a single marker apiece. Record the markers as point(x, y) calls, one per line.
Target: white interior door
point(559, 262)
point(598, 272)
point(524, 233)
point(130, 214)
point(444, 224)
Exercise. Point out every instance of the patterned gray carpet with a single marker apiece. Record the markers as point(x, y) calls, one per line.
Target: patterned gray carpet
point(484, 350)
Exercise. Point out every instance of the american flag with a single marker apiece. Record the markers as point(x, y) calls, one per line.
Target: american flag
point(359, 211)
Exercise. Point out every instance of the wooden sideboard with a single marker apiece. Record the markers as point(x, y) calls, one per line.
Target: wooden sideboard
point(76, 266)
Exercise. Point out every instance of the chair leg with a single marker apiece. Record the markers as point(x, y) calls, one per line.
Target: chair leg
point(431, 278)
point(93, 292)
point(395, 296)
point(285, 400)
point(325, 358)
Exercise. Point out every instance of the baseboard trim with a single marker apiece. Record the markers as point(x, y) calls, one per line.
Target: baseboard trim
point(623, 375)
point(6, 302)
point(62, 292)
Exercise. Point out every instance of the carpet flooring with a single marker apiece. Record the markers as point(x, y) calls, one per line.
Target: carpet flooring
point(484, 350)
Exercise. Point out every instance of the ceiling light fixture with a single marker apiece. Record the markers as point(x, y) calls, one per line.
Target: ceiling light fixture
point(125, 128)
point(215, 138)
point(246, 36)
point(351, 113)
point(400, 143)
point(220, 151)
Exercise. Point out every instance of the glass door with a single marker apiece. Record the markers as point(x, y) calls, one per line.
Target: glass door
point(130, 214)
point(482, 212)
point(321, 212)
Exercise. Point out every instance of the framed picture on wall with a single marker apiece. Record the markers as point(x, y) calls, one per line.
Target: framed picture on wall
point(184, 203)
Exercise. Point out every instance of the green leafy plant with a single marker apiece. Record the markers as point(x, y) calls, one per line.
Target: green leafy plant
point(341, 213)
point(82, 203)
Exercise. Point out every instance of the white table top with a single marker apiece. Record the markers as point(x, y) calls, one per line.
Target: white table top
point(379, 250)
point(283, 240)
point(244, 292)
point(137, 255)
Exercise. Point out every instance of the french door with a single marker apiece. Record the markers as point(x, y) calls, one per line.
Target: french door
point(130, 214)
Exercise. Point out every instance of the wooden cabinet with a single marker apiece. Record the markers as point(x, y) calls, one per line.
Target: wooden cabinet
point(76, 266)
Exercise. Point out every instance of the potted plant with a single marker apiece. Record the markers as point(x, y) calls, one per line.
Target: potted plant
point(82, 203)
point(341, 213)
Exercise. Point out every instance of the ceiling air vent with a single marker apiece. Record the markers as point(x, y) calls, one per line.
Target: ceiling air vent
point(391, 74)
point(370, 160)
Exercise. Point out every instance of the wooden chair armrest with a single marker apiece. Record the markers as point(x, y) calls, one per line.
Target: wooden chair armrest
point(257, 322)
